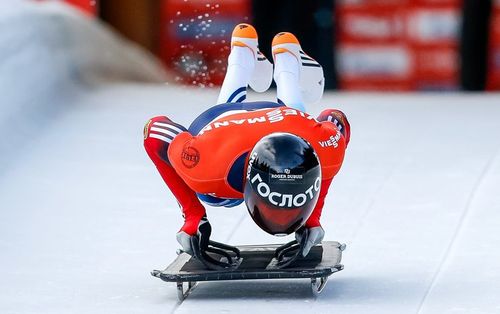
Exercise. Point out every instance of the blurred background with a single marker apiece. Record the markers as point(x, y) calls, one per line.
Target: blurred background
point(399, 45)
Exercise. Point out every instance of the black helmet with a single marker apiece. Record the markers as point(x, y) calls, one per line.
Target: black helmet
point(282, 183)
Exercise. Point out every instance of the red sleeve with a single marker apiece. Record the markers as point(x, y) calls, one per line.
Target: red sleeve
point(313, 220)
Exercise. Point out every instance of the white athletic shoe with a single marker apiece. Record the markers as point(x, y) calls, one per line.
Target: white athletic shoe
point(311, 79)
point(245, 35)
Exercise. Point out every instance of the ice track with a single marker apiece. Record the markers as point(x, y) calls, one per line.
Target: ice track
point(84, 215)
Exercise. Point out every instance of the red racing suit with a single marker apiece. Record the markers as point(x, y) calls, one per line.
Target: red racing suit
point(210, 159)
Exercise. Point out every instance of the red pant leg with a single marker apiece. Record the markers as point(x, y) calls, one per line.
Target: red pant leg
point(158, 133)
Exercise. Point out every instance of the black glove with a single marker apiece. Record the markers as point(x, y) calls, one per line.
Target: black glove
point(203, 234)
point(222, 256)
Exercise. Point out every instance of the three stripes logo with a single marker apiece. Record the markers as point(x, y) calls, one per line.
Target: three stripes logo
point(260, 56)
point(308, 61)
point(238, 95)
point(164, 131)
point(337, 123)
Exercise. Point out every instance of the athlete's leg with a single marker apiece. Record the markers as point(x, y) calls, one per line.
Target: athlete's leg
point(299, 78)
point(246, 66)
point(240, 66)
point(158, 134)
point(286, 76)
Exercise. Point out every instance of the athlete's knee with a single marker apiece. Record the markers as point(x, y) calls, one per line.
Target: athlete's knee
point(158, 134)
point(338, 118)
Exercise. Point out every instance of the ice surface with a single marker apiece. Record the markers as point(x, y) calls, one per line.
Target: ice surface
point(84, 216)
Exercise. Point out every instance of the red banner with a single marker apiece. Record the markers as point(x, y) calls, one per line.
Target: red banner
point(88, 6)
point(494, 51)
point(398, 45)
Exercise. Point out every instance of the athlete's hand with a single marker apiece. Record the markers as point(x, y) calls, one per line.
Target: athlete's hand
point(314, 236)
point(203, 233)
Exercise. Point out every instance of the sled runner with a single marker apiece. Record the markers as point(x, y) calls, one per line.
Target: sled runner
point(257, 262)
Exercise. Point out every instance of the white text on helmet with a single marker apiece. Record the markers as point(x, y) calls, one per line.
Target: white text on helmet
point(250, 163)
point(286, 200)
